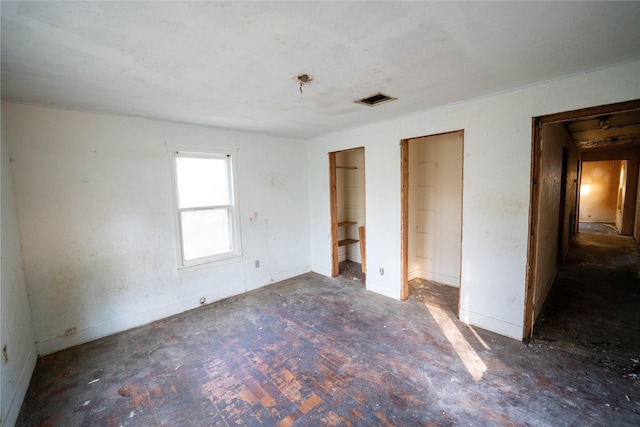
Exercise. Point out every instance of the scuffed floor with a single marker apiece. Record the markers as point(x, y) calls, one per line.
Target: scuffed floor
point(607, 228)
point(351, 271)
point(314, 351)
point(432, 293)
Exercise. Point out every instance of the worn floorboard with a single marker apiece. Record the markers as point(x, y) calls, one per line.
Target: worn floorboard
point(314, 351)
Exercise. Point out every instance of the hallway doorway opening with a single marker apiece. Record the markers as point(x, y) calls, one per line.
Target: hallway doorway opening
point(586, 177)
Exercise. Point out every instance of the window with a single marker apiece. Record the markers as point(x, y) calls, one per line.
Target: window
point(206, 207)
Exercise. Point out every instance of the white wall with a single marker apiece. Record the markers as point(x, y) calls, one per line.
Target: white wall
point(16, 330)
point(497, 132)
point(96, 201)
point(435, 208)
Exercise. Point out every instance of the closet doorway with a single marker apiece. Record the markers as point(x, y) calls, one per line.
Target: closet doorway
point(432, 170)
point(347, 184)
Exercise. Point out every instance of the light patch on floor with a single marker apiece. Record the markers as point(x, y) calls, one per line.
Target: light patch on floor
point(466, 353)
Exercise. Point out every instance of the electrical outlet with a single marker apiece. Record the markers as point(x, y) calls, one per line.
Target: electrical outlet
point(257, 263)
point(203, 300)
point(381, 271)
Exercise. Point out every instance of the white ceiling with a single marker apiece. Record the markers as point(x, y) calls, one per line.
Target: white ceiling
point(233, 64)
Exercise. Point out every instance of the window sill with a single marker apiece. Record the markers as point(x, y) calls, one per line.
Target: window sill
point(231, 259)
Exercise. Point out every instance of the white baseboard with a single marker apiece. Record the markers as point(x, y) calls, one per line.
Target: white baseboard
point(277, 277)
point(492, 324)
point(321, 269)
point(21, 388)
point(104, 329)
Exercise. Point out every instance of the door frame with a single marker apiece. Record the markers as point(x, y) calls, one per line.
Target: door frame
point(534, 205)
point(333, 209)
point(563, 196)
point(404, 212)
point(404, 219)
point(333, 206)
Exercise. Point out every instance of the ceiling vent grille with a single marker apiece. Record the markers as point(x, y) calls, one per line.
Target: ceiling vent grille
point(376, 99)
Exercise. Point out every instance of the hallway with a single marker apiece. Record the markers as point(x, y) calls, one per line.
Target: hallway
point(593, 312)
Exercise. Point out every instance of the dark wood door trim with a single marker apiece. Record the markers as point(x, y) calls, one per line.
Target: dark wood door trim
point(534, 214)
point(404, 227)
point(333, 195)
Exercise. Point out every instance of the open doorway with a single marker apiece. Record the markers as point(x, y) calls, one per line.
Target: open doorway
point(347, 185)
point(432, 169)
point(602, 196)
point(587, 153)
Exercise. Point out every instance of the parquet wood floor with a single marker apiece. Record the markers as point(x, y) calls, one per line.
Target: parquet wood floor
point(314, 351)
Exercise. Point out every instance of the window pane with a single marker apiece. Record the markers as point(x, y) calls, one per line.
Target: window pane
point(205, 233)
point(202, 182)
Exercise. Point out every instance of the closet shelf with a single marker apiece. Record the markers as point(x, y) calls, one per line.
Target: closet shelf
point(347, 242)
point(345, 223)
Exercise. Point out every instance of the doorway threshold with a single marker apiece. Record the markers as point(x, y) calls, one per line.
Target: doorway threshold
point(351, 270)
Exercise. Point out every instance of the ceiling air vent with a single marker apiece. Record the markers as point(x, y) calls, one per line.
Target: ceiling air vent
point(376, 99)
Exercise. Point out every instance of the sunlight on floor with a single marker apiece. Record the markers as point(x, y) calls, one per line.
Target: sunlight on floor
point(466, 353)
point(480, 340)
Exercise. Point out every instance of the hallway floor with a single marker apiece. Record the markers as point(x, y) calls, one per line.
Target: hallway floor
point(607, 228)
point(315, 351)
point(593, 314)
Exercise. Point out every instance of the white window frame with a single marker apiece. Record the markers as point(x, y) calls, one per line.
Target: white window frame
point(234, 227)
